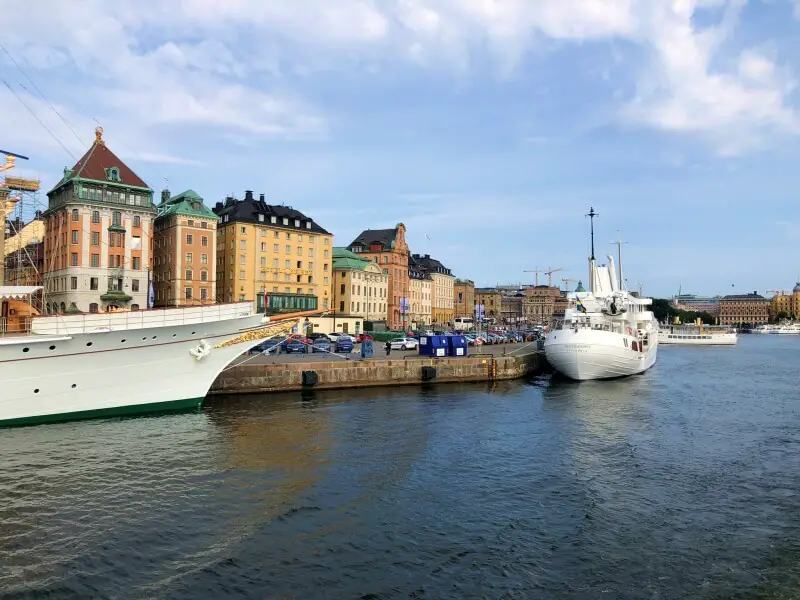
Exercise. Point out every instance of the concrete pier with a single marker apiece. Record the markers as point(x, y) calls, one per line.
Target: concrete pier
point(332, 375)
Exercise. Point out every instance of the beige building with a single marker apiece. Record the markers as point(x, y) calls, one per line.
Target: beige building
point(540, 304)
point(273, 255)
point(334, 323)
point(99, 236)
point(464, 298)
point(442, 288)
point(492, 301)
point(184, 269)
point(749, 309)
point(420, 296)
point(360, 288)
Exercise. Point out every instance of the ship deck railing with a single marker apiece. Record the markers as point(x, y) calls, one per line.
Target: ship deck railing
point(120, 321)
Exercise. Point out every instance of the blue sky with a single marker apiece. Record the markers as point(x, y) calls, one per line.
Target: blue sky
point(489, 125)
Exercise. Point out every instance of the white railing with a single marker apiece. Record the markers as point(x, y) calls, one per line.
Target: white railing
point(140, 319)
point(14, 327)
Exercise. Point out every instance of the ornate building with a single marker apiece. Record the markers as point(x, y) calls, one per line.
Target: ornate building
point(360, 287)
point(492, 301)
point(421, 294)
point(540, 304)
point(272, 254)
point(786, 303)
point(442, 288)
point(750, 309)
point(464, 298)
point(99, 235)
point(184, 269)
point(388, 249)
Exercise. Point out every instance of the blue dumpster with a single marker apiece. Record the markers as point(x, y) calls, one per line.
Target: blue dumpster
point(366, 348)
point(433, 345)
point(456, 345)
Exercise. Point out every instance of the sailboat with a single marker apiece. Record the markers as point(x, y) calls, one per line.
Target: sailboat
point(606, 332)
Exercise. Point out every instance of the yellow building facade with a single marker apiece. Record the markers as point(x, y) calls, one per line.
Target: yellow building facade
point(273, 255)
point(420, 293)
point(786, 303)
point(360, 288)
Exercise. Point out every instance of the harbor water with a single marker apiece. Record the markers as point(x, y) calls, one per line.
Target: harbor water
point(679, 483)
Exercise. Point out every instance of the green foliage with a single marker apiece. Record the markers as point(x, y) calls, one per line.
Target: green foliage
point(782, 315)
point(663, 310)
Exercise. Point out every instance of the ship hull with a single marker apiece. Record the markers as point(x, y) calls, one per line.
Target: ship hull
point(108, 373)
point(588, 354)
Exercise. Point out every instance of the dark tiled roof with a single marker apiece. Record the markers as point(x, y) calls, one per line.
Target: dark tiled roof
point(368, 237)
point(248, 210)
point(95, 164)
point(430, 264)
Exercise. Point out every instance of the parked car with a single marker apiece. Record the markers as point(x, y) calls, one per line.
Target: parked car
point(322, 344)
point(344, 344)
point(294, 345)
point(363, 336)
point(270, 346)
point(404, 343)
point(315, 336)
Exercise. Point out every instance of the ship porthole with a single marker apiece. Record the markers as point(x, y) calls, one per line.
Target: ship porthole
point(52, 347)
point(88, 343)
point(25, 349)
point(154, 337)
point(36, 391)
point(144, 339)
point(193, 333)
point(174, 335)
point(74, 385)
point(122, 341)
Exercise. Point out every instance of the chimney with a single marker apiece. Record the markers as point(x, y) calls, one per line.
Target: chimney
point(261, 197)
point(164, 195)
point(218, 206)
point(248, 195)
point(229, 201)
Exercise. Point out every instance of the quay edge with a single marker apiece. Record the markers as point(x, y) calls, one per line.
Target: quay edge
point(357, 373)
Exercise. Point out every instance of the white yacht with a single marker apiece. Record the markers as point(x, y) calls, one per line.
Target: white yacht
point(65, 367)
point(779, 329)
point(606, 332)
point(697, 334)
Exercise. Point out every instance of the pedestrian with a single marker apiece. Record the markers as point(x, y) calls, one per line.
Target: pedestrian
point(388, 347)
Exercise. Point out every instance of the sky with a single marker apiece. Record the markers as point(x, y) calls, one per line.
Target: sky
point(488, 127)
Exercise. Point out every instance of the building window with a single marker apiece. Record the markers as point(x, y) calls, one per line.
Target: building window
point(135, 263)
point(275, 248)
point(95, 238)
point(204, 241)
point(93, 307)
point(327, 241)
point(203, 275)
point(325, 254)
point(203, 294)
point(188, 274)
point(137, 221)
point(203, 259)
point(95, 216)
point(188, 257)
point(75, 215)
point(189, 239)
point(187, 293)
point(73, 283)
point(134, 285)
point(74, 258)
point(190, 222)
point(74, 236)
point(242, 259)
point(243, 230)
point(95, 260)
point(273, 220)
point(116, 218)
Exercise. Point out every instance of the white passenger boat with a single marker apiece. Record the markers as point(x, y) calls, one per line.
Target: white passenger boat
point(697, 335)
point(606, 332)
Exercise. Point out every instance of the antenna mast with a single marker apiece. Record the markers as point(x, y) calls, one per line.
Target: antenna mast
point(618, 242)
point(591, 214)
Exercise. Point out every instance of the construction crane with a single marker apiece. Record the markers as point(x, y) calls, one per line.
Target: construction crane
point(537, 271)
point(550, 275)
point(777, 292)
point(567, 281)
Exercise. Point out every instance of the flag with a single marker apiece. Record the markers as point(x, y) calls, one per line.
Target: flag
point(151, 296)
point(579, 305)
point(427, 237)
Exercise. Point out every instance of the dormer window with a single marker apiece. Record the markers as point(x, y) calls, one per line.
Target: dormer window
point(285, 221)
point(308, 224)
point(112, 174)
point(273, 219)
point(297, 222)
point(260, 218)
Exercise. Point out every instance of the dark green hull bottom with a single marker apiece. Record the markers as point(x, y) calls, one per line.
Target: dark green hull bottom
point(117, 411)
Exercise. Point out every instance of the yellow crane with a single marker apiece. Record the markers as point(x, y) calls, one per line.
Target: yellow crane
point(550, 275)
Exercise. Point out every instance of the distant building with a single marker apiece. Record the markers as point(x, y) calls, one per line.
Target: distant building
point(99, 235)
point(420, 285)
point(388, 249)
point(463, 298)
point(512, 309)
point(360, 287)
point(787, 303)
point(272, 254)
point(492, 301)
point(750, 309)
point(442, 288)
point(709, 304)
point(185, 252)
point(540, 304)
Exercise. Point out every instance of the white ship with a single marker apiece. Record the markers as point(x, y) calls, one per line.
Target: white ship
point(779, 329)
point(64, 367)
point(606, 332)
point(697, 335)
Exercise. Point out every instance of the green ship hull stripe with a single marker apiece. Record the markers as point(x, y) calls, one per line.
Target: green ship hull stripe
point(116, 411)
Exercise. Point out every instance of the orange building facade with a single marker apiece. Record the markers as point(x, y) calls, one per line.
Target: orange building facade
point(388, 249)
point(99, 236)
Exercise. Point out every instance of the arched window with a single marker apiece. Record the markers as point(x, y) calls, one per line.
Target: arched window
point(93, 307)
point(134, 307)
point(75, 216)
point(63, 307)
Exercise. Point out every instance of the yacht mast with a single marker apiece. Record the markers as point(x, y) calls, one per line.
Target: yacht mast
point(618, 242)
point(591, 214)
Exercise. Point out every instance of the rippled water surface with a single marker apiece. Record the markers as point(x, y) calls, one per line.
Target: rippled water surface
point(680, 483)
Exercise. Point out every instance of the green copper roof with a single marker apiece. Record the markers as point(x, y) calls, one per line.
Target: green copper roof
point(188, 203)
point(344, 260)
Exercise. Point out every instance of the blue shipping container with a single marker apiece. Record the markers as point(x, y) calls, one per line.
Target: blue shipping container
point(433, 345)
point(456, 345)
